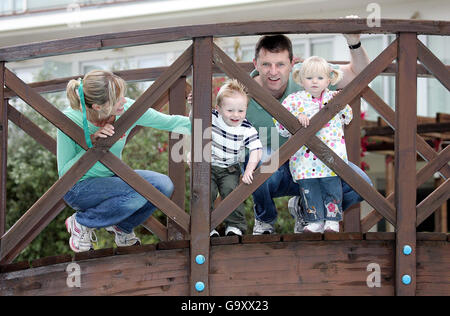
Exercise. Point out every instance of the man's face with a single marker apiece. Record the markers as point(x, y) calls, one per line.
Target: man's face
point(274, 70)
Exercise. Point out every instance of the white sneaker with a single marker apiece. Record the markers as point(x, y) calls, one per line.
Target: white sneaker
point(315, 227)
point(123, 239)
point(294, 210)
point(262, 228)
point(331, 227)
point(233, 231)
point(81, 237)
point(214, 233)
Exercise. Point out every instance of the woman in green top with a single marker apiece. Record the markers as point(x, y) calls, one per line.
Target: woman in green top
point(101, 199)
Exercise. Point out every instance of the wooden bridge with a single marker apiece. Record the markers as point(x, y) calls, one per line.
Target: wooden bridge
point(354, 262)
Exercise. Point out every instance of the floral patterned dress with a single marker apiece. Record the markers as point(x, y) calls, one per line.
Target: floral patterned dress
point(304, 164)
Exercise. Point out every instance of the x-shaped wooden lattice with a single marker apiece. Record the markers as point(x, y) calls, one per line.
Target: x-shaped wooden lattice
point(436, 162)
point(51, 203)
point(301, 136)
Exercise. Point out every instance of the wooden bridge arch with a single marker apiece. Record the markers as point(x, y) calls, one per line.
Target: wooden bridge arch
point(400, 210)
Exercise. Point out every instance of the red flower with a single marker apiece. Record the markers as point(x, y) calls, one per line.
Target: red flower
point(331, 207)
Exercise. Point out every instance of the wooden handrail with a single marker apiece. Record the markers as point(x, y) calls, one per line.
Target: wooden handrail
point(180, 33)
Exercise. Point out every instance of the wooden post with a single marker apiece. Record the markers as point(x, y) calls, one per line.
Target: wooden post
point(405, 164)
point(201, 167)
point(352, 216)
point(3, 149)
point(440, 216)
point(390, 183)
point(177, 106)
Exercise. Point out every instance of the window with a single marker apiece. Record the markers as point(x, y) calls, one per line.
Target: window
point(299, 50)
point(438, 95)
point(12, 6)
point(153, 61)
point(28, 74)
point(322, 48)
point(247, 54)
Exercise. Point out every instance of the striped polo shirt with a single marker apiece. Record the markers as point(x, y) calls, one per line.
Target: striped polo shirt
point(228, 142)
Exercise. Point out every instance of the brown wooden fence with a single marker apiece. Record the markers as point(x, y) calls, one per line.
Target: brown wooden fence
point(202, 57)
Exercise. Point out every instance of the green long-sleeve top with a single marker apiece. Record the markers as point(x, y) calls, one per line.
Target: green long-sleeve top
point(68, 152)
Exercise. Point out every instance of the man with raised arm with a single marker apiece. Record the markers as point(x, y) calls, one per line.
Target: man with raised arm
point(274, 62)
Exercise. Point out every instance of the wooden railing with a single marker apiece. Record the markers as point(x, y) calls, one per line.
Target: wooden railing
point(203, 55)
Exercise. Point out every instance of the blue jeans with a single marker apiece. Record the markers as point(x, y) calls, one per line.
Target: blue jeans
point(281, 184)
point(321, 199)
point(106, 201)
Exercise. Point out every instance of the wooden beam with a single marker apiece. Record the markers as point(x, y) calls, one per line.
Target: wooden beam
point(405, 163)
point(421, 129)
point(45, 108)
point(292, 267)
point(147, 190)
point(352, 216)
point(200, 166)
point(177, 106)
point(440, 216)
point(151, 74)
point(3, 149)
point(433, 64)
point(443, 117)
point(179, 33)
point(156, 227)
point(45, 209)
point(433, 201)
point(389, 182)
point(439, 162)
point(31, 129)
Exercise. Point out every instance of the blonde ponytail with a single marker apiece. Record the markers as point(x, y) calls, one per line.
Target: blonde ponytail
point(99, 87)
point(336, 75)
point(72, 94)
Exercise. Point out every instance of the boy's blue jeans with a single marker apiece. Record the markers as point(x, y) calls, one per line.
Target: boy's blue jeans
point(106, 201)
point(281, 184)
point(321, 199)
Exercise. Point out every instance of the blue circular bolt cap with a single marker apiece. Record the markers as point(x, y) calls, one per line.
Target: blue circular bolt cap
point(199, 286)
point(407, 250)
point(200, 259)
point(406, 279)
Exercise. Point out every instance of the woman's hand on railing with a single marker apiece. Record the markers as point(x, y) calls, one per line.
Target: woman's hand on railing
point(105, 131)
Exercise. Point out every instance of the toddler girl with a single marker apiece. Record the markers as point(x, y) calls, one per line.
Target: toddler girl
point(320, 187)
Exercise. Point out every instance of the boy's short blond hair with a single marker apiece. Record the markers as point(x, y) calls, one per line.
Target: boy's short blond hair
point(230, 87)
point(316, 65)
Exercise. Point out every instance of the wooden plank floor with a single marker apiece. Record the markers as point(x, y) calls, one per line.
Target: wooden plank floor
point(300, 264)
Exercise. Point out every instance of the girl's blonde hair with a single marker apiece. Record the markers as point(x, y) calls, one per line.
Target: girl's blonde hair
point(230, 87)
point(317, 65)
point(99, 87)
